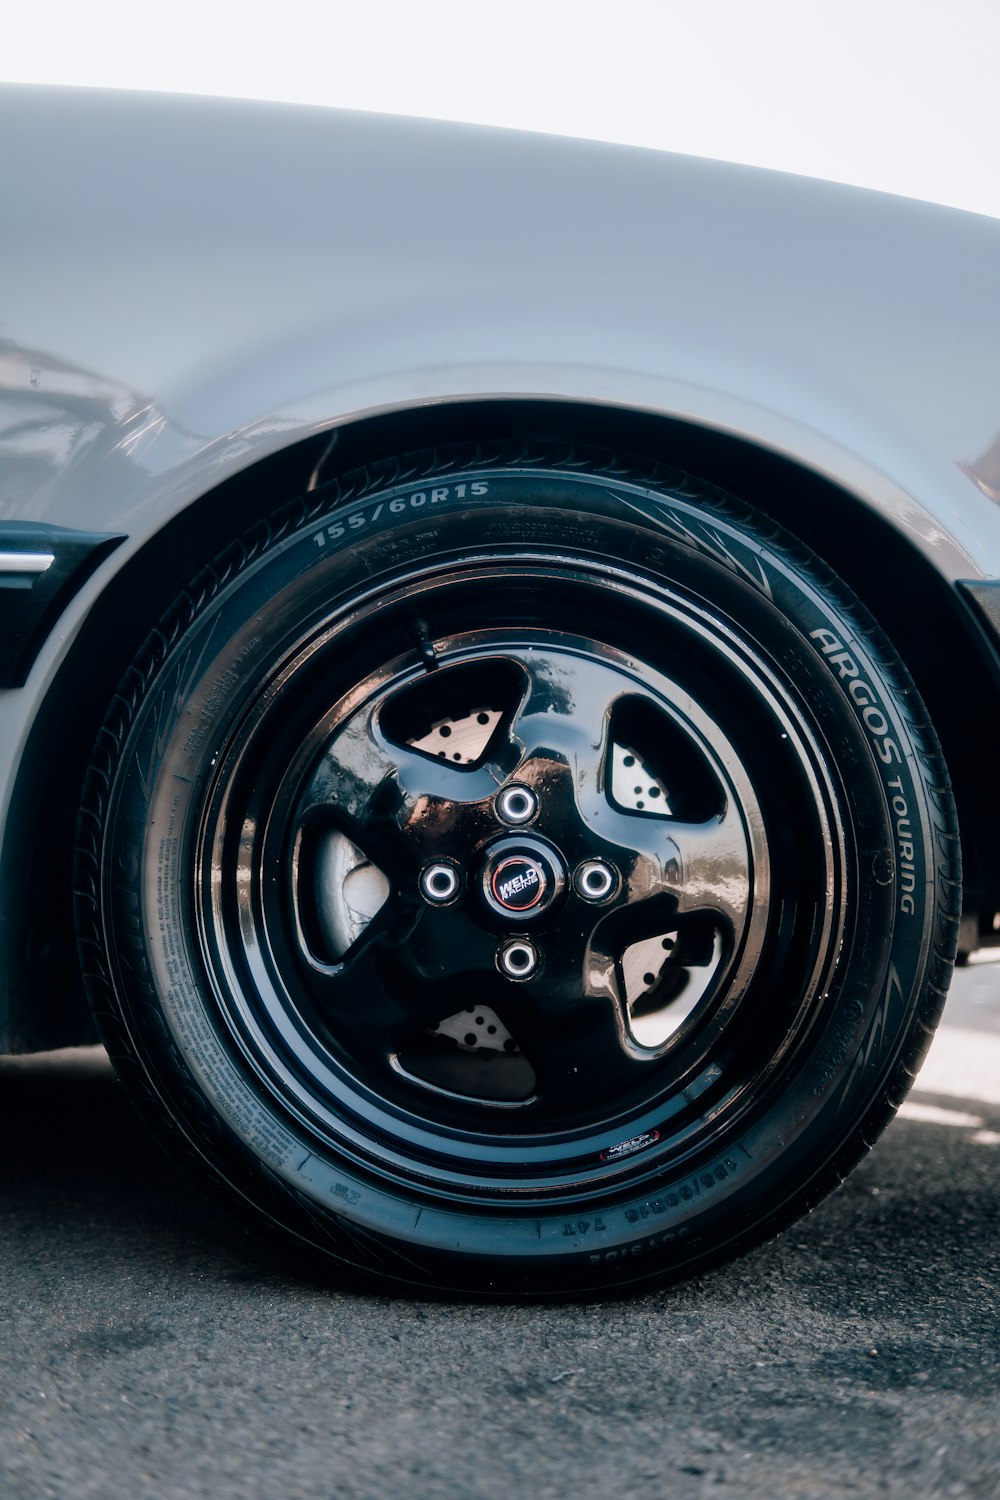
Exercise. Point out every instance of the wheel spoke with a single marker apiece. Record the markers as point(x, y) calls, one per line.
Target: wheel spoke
point(362, 1008)
point(565, 712)
point(580, 1052)
point(705, 866)
point(709, 868)
point(364, 777)
point(399, 805)
point(445, 947)
point(430, 955)
point(369, 1004)
point(563, 726)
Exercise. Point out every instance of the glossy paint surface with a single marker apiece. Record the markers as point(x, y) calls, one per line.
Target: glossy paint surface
point(192, 284)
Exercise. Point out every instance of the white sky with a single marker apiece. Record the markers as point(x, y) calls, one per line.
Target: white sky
point(902, 95)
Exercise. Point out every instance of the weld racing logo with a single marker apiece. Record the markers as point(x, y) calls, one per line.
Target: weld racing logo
point(516, 884)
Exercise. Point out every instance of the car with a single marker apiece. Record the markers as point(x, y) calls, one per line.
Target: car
point(501, 670)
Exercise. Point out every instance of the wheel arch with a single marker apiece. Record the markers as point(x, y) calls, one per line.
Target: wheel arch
point(920, 612)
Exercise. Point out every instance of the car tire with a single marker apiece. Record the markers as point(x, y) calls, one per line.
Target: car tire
point(519, 873)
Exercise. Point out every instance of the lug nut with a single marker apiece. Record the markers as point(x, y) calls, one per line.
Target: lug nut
point(595, 880)
point(517, 804)
point(439, 884)
point(518, 960)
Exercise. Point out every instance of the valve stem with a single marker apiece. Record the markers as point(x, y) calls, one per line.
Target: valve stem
point(425, 646)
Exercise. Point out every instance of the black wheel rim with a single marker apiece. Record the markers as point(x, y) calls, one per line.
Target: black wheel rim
point(673, 940)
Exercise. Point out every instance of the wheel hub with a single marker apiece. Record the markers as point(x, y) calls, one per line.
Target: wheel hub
point(521, 879)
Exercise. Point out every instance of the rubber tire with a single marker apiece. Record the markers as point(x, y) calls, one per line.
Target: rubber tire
point(190, 1082)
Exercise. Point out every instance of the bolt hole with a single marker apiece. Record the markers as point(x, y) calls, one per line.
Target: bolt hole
point(649, 978)
point(482, 718)
point(439, 883)
point(595, 880)
point(470, 1040)
point(628, 760)
point(518, 960)
point(444, 731)
point(516, 804)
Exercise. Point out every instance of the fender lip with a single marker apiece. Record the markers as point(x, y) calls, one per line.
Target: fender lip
point(41, 568)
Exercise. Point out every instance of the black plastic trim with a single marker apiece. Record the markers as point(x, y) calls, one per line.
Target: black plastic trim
point(985, 595)
point(981, 597)
point(33, 597)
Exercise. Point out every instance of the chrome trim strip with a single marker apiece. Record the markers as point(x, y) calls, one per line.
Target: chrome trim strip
point(26, 562)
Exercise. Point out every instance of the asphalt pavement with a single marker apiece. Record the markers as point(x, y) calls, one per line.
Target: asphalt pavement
point(151, 1349)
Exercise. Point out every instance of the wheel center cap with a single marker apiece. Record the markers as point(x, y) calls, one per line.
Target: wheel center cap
point(521, 878)
point(518, 883)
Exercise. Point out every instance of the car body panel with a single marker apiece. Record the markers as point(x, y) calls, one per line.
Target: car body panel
point(190, 286)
